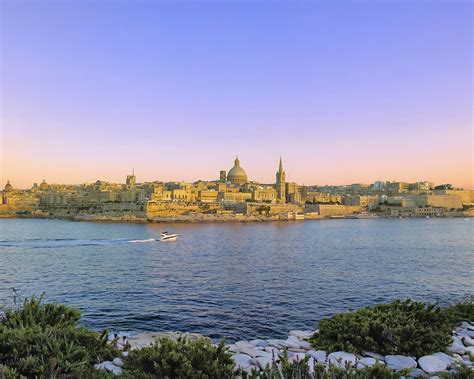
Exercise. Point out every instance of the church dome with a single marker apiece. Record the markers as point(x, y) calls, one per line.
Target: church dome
point(237, 174)
point(8, 187)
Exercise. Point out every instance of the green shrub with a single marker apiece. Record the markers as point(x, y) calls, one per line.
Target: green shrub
point(401, 327)
point(463, 311)
point(167, 358)
point(43, 340)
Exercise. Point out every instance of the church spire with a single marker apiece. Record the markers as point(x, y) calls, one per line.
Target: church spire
point(281, 165)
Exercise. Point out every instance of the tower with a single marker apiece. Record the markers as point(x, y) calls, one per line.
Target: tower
point(131, 179)
point(281, 183)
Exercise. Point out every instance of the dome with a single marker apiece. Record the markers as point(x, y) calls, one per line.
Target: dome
point(8, 187)
point(237, 174)
point(43, 186)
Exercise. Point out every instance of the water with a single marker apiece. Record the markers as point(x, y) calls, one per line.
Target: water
point(234, 280)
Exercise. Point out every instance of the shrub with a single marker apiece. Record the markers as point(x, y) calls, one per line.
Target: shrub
point(401, 327)
point(167, 358)
point(463, 311)
point(38, 340)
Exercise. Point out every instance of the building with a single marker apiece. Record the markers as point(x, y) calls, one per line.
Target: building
point(237, 174)
point(280, 184)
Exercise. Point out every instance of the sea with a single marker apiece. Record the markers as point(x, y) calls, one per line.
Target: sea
point(233, 280)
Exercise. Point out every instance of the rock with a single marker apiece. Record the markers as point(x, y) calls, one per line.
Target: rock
point(279, 344)
point(259, 343)
point(296, 350)
point(366, 362)
point(241, 360)
point(148, 338)
point(466, 325)
point(244, 345)
point(110, 367)
point(457, 347)
point(118, 362)
point(432, 364)
point(466, 340)
point(298, 357)
point(272, 350)
point(400, 362)
point(341, 359)
point(470, 349)
point(293, 342)
point(301, 334)
point(100, 366)
point(371, 354)
point(416, 373)
point(261, 362)
point(305, 345)
point(445, 357)
point(124, 353)
point(318, 355)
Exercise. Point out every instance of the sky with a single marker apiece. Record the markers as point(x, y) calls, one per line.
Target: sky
point(344, 91)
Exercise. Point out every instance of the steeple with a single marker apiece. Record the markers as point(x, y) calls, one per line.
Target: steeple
point(237, 162)
point(280, 169)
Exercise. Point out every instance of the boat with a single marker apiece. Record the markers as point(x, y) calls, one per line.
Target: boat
point(166, 236)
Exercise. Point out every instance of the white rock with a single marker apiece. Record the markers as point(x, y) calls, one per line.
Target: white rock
point(124, 353)
point(445, 357)
point(341, 359)
point(416, 373)
point(244, 345)
point(272, 350)
point(467, 341)
point(301, 334)
point(371, 354)
point(457, 347)
point(110, 367)
point(297, 357)
point(366, 362)
point(470, 349)
point(432, 364)
point(399, 362)
point(277, 343)
point(305, 345)
point(118, 362)
point(100, 366)
point(293, 342)
point(241, 360)
point(259, 343)
point(318, 355)
point(466, 325)
point(262, 362)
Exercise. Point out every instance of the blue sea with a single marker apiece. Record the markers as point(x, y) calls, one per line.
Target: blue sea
point(234, 280)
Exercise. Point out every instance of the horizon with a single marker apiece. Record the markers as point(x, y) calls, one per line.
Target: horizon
point(176, 90)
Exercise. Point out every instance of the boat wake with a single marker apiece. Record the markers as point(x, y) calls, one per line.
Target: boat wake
point(143, 241)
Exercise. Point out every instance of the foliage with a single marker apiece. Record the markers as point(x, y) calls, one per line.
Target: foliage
point(401, 327)
point(182, 358)
point(463, 311)
point(303, 370)
point(43, 340)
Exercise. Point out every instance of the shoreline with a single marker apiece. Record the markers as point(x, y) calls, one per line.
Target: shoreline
point(198, 219)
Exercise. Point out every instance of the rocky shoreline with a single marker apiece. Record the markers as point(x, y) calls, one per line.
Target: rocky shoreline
point(255, 355)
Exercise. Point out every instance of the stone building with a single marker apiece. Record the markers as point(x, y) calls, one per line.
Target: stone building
point(280, 183)
point(237, 174)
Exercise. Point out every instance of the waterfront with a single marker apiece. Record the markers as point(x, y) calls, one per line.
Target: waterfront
point(234, 280)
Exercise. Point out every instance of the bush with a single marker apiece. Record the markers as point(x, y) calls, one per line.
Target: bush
point(167, 358)
point(38, 340)
point(463, 311)
point(401, 327)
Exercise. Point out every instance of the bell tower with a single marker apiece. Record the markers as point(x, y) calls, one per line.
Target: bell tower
point(280, 183)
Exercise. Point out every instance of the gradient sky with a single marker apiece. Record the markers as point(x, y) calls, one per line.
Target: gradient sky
point(346, 91)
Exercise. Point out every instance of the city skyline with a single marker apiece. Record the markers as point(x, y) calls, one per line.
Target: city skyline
point(341, 91)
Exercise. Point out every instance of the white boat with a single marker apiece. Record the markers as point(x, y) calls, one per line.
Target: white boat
point(166, 236)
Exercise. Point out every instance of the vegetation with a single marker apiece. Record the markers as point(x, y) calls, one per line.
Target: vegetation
point(179, 359)
point(44, 341)
point(401, 327)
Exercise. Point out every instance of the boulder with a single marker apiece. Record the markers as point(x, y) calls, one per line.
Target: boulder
point(279, 344)
point(319, 355)
point(293, 342)
point(366, 362)
point(416, 373)
point(341, 359)
point(124, 353)
point(445, 357)
point(470, 349)
point(100, 366)
point(110, 367)
point(262, 362)
point(148, 338)
point(241, 360)
point(244, 345)
point(371, 354)
point(259, 343)
point(118, 362)
point(305, 345)
point(466, 340)
point(457, 347)
point(298, 357)
point(432, 364)
point(466, 325)
point(399, 362)
point(272, 350)
point(301, 334)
